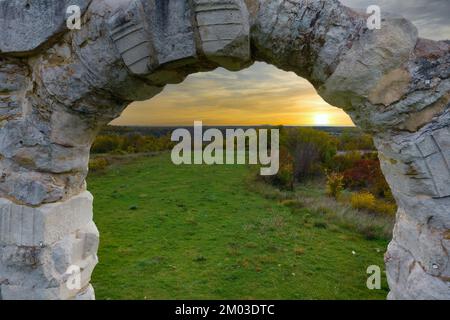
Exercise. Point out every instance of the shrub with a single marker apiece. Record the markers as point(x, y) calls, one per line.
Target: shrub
point(309, 150)
point(366, 174)
point(380, 187)
point(384, 207)
point(367, 201)
point(361, 174)
point(363, 201)
point(355, 139)
point(105, 144)
point(304, 153)
point(285, 176)
point(132, 143)
point(335, 184)
point(98, 164)
point(342, 162)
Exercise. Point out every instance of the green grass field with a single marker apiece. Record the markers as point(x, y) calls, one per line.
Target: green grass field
point(202, 232)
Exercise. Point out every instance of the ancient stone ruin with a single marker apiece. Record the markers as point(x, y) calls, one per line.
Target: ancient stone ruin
point(59, 86)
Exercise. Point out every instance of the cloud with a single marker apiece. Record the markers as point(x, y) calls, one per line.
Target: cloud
point(430, 16)
point(261, 94)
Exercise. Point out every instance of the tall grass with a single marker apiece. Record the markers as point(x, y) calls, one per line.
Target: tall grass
point(311, 197)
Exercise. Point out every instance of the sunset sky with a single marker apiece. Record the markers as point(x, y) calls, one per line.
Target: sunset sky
point(263, 94)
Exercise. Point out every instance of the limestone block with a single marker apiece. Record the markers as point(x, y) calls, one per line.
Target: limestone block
point(13, 79)
point(72, 132)
point(42, 272)
point(35, 188)
point(10, 292)
point(13, 76)
point(132, 39)
point(170, 23)
point(12, 255)
point(87, 294)
point(410, 177)
point(44, 225)
point(148, 35)
point(416, 120)
point(398, 265)
point(436, 154)
point(391, 87)
point(46, 156)
point(90, 236)
point(26, 25)
point(425, 244)
point(223, 26)
point(366, 67)
point(9, 108)
point(420, 164)
point(426, 210)
point(85, 62)
point(423, 286)
point(408, 280)
point(417, 261)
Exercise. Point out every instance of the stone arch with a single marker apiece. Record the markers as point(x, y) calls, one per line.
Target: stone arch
point(58, 87)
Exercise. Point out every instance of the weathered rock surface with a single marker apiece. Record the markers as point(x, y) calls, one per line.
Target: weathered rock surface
point(39, 245)
point(27, 226)
point(26, 25)
point(58, 87)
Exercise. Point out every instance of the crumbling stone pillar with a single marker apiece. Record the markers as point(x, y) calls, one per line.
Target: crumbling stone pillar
point(395, 86)
point(57, 89)
point(59, 86)
point(40, 244)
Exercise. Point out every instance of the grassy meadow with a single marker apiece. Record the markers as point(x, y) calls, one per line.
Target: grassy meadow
point(216, 232)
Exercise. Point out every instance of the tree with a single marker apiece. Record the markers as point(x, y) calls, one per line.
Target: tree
point(310, 149)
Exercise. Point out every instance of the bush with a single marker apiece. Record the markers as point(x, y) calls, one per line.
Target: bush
point(366, 174)
point(309, 150)
point(285, 176)
point(367, 201)
point(355, 139)
point(361, 174)
point(343, 162)
point(98, 164)
point(132, 143)
point(385, 208)
point(105, 144)
point(335, 184)
point(363, 201)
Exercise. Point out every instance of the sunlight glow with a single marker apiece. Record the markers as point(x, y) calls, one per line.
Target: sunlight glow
point(222, 97)
point(321, 119)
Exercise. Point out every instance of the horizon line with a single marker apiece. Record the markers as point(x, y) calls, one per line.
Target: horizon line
point(231, 125)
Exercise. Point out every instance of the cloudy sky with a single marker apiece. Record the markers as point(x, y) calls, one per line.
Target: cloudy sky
point(263, 94)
